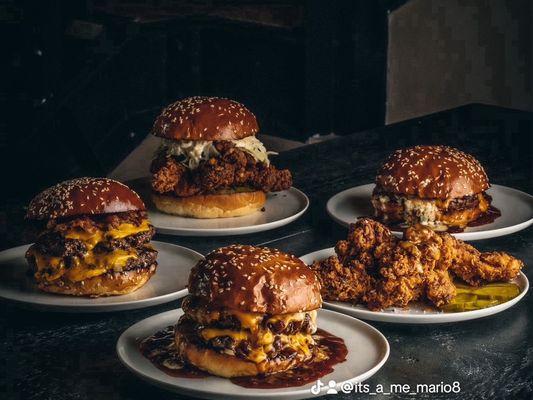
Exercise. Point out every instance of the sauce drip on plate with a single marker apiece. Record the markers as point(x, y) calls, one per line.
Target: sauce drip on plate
point(329, 351)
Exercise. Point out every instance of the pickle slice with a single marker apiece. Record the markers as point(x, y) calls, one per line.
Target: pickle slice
point(471, 298)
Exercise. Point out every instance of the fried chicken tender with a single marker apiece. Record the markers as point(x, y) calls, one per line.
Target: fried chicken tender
point(342, 283)
point(231, 168)
point(377, 269)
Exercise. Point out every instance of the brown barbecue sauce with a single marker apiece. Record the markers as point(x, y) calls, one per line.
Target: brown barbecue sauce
point(329, 351)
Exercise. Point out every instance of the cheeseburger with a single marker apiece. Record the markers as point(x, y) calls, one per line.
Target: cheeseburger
point(250, 311)
point(95, 239)
point(210, 164)
point(438, 186)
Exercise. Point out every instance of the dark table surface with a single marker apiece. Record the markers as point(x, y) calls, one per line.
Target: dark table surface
point(60, 356)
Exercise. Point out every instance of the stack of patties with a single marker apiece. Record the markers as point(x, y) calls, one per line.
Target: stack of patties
point(250, 311)
point(210, 164)
point(437, 186)
point(94, 241)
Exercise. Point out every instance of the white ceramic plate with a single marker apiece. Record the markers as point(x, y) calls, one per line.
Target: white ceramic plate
point(168, 283)
point(367, 352)
point(414, 313)
point(281, 208)
point(516, 208)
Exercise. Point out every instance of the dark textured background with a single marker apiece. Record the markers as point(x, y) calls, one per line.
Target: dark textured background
point(60, 356)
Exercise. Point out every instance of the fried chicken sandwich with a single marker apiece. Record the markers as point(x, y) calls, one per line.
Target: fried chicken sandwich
point(210, 164)
point(95, 239)
point(436, 186)
point(250, 311)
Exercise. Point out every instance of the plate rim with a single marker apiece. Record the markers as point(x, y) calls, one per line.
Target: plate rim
point(476, 235)
point(97, 308)
point(241, 230)
point(297, 392)
point(434, 318)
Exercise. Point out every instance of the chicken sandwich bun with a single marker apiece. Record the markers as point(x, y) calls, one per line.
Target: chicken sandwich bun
point(210, 164)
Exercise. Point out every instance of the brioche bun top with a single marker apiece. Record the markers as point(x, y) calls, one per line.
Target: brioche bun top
point(432, 172)
point(255, 279)
point(84, 196)
point(205, 118)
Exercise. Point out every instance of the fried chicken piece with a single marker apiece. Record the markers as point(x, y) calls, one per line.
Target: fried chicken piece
point(440, 289)
point(391, 272)
point(476, 268)
point(464, 260)
point(167, 173)
point(342, 282)
point(231, 168)
point(364, 238)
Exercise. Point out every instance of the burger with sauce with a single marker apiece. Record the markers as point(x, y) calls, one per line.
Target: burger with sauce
point(95, 239)
point(437, 186)
point(210, 164)
point(250, 311)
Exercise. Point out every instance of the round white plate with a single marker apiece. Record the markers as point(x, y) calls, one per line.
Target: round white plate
point(367, 352)
point(281, 208)
point(168, 283)
point(516, 208)
point(415, 313)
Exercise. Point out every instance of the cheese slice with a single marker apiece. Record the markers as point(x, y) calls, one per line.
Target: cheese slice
point(92, 264)
point(91, 239)
point(261, 343)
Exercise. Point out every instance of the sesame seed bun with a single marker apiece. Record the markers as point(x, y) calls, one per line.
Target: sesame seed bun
point(431, 172)
point(211, 205)
point(255, 279)
point(84, 196)
point(205, 118)
point(228, 366)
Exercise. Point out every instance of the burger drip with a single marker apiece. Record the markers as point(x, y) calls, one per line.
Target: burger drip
point(160, 350)
point(329, 351)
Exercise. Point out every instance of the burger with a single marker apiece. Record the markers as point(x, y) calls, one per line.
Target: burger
point(94, 239)
point(251, 311)
point(210, 164)
point(437, 186)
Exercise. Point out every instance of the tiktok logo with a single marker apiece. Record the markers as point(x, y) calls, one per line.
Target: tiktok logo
point(316, 388)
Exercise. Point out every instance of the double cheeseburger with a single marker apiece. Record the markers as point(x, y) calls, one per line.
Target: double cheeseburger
point(210, 164)
point(437, 186)
point(250, 311)
point(94, 241)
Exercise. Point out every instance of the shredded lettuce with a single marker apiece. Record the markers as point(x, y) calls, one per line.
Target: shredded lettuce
point(192, 152)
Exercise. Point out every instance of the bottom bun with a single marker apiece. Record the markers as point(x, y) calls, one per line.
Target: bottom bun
point(108, 284)
point(211, 205)
point(228, 366)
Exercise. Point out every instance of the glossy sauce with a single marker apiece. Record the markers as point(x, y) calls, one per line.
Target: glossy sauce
point(329, 351)
point(161, 351)
point(486, 218)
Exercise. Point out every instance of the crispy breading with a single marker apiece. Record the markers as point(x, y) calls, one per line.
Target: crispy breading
point(231, 168)
point(377, 269)
point(342, 283)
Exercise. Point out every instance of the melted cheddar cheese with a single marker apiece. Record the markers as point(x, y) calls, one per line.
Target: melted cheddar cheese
point(91, 239)
point(252, 321)
point(91, 263)
point(262, 339)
